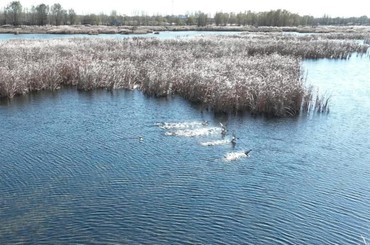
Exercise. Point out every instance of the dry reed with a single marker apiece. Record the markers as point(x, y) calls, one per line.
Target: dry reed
point(224, 74)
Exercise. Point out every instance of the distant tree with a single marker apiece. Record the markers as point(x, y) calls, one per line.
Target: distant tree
point(307, 20)
point(125, 20)
point(91, 19)
point(232, 19)
point(13, 13)
point(241, 19)
point(144, 19)
point(363, 20)
point(325, 20)
point(104, 19)
point(252, 18)
point(72, 17)
point(26, 17)
point(41, 15)
point(2, 18)
point(113, 18)
point(190, 20)
point(218, 18)
point(159, 20)
point(42, 11)
point(202, 19)
point(180, 21)
point(222, 18)
point(32, 14)
point(57, 14)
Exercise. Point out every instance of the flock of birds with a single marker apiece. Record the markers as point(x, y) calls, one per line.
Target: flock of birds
point(194, 129)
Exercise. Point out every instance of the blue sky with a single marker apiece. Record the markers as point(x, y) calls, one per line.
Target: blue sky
point(313, 7)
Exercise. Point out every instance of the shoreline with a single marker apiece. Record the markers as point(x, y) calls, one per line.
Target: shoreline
point(126, 30)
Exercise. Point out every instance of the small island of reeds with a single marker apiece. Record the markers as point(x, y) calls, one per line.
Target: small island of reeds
point(260, 74)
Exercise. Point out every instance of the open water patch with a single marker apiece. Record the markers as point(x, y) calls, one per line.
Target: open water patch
point(73, 169)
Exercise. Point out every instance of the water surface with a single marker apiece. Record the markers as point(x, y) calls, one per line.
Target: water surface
point(100, 167)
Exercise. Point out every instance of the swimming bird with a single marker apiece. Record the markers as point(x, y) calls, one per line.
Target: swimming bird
point(247, 152)
point(141, 138)
point(233, 139)
point(223, 129)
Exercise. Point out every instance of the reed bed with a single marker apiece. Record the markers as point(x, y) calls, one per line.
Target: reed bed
point(307, 46)
point(346, 36)
point(103, 29)
point(224, 74)
point(367, 40)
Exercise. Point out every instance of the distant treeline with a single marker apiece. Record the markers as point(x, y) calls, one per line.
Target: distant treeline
point(42, 14)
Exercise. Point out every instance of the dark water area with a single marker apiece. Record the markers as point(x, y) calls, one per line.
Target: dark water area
point(121, 168)
point(161, 35)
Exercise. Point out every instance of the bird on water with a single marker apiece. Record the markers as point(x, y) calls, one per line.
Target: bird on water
point(247, 152)
point(223, 129)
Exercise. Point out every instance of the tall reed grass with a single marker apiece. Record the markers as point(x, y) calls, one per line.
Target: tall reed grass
point(367, 40)
point(224, 74)
point(308, 46)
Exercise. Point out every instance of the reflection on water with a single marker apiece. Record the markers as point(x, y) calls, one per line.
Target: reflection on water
point(98, 167)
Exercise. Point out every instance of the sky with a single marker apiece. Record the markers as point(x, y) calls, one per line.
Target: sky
point(315, 8)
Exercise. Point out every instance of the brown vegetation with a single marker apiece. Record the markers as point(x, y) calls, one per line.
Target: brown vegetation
point(258, 75)
point(336, 32)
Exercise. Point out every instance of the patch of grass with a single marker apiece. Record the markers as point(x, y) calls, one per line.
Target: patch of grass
point(256, 74)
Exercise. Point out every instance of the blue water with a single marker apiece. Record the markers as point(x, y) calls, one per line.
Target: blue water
point(73, 169)
point(161, 35)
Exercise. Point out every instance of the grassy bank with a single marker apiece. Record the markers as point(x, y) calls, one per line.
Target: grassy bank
point(306, 47)
point(224, 74)
point(100, 29)
point(348, 31)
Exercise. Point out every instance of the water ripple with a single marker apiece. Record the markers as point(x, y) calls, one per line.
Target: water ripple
point(95, 168)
